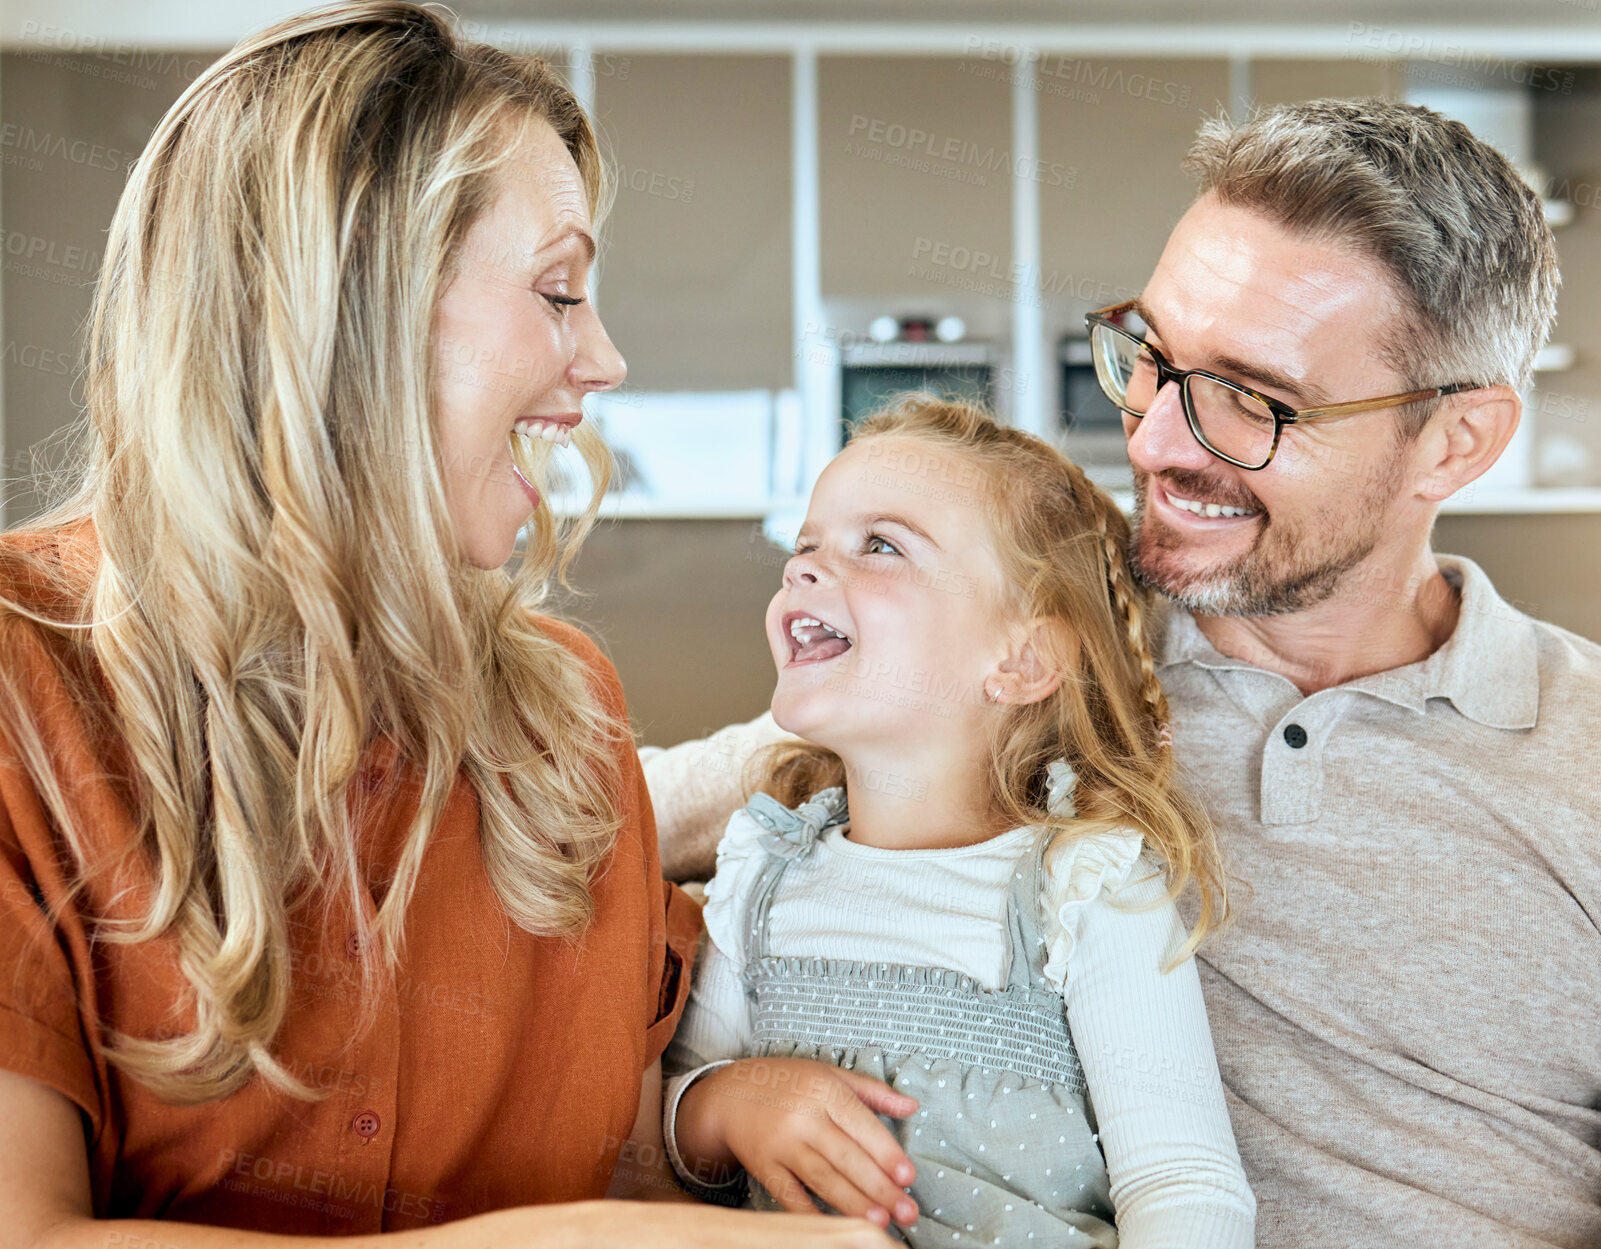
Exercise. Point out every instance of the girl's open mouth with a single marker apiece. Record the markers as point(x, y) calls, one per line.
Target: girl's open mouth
point(812, 640)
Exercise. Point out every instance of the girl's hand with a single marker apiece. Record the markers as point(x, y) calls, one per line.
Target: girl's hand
point(797, 1124)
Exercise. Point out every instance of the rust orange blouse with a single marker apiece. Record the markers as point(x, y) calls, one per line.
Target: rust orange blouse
point(504, 1069)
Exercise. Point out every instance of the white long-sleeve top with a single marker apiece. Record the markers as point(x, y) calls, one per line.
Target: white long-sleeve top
point(1141, 1034)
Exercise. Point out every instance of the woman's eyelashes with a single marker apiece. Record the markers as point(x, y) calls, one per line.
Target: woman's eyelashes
point(555, 286)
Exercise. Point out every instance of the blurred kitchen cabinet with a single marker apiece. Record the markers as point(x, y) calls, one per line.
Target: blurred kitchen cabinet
point(1124, 126)
point(695, 278)
point(915, 171)
point(1287, 81)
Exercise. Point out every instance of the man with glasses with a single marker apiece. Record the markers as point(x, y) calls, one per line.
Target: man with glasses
point(1407, 1010)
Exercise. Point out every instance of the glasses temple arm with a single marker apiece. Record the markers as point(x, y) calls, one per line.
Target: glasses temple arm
point(1388, 401)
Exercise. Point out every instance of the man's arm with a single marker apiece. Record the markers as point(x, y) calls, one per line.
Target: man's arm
point(695, 787)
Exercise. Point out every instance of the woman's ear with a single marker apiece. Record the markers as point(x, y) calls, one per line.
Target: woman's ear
point(1041, 653)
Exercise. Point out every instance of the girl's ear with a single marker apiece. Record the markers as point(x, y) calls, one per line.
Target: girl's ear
point(1041, 653)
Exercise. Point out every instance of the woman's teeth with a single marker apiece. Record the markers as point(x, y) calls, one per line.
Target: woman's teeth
point(547, 431)
point(1207, 509)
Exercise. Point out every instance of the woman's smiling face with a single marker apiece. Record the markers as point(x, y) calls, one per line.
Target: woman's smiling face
point(517, 340)
point(890, 615)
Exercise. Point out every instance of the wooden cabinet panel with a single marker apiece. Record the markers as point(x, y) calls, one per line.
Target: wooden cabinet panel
point(915, 162)
point(1124, 126)
point(695, 279)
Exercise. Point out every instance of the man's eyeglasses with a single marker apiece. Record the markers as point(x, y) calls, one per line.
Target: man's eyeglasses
point(1233, 422)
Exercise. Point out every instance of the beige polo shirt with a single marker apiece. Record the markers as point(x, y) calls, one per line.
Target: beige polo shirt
point(1407, 1013)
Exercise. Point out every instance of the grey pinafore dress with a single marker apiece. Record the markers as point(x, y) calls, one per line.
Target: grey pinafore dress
point(1004, 1139)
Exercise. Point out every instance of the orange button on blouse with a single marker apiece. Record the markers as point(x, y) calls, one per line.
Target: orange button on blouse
point(504, 1069)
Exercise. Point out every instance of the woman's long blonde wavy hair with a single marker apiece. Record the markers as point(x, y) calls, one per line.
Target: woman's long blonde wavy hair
point(1062, 544)
point(278, 584)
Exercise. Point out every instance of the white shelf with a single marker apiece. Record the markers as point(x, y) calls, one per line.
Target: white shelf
point(1532, 501)
point(635, 507)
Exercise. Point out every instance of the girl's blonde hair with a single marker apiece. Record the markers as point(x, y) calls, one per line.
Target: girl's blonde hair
point(1062, 543)
point(278, 583)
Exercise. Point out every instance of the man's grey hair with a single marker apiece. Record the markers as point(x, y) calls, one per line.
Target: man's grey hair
point(1462, 234)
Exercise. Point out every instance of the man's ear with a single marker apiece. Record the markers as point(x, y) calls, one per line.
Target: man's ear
point(1464, 438)
point(1041, 653)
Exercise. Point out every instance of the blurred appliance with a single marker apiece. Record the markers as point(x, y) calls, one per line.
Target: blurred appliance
point(873, 373)
point(1091, 428)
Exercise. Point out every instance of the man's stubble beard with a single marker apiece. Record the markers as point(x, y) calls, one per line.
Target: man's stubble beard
point(1286, 569)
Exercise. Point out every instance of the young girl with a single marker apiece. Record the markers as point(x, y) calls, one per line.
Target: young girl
point(946, 985)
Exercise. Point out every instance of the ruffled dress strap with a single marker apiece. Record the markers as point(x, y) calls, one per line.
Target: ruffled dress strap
point(1025, 906)
point(761, 840)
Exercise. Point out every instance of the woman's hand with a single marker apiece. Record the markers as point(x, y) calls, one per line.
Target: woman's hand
point(798, 1125)
point(641, 1225)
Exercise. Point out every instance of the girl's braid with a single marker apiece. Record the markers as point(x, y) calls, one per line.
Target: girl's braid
point(1126, 598)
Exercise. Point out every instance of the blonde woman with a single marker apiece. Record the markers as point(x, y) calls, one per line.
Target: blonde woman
point(329, 893)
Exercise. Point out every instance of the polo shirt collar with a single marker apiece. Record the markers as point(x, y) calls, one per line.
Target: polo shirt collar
point(1488, 667)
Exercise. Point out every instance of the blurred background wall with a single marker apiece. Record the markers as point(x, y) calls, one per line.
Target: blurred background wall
point(782, 185)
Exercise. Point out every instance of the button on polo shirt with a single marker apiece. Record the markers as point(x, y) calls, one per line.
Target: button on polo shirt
point(1292, 730)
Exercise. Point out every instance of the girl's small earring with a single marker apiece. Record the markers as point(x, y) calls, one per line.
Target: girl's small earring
point(991, 696)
